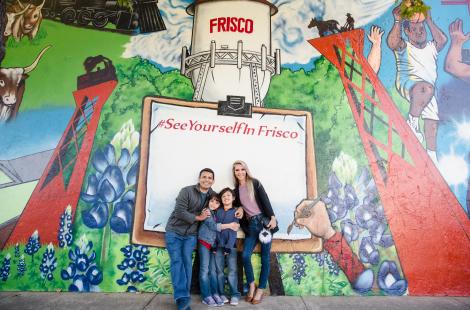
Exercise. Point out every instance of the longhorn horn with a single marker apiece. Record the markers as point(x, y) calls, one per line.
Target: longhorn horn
point(35, 63)
point(21, 4)
point(22, 12)
point(42, 4)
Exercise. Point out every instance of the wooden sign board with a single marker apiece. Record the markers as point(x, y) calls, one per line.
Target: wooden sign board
point(179, 138)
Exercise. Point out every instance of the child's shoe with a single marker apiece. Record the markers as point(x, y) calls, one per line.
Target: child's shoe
point(227, 251)
point(218, 300)
point(234, 301)
point(209, 301)
point(224, 299)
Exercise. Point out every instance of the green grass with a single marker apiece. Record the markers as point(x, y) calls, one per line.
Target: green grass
point(14, 198)
point(55, 78)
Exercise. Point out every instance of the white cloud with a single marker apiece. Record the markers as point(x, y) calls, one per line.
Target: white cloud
point(290, 32)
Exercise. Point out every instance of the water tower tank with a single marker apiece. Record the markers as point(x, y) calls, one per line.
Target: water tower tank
point(231, 50)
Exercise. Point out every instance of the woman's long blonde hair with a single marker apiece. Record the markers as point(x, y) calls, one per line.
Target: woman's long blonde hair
point(249, 178)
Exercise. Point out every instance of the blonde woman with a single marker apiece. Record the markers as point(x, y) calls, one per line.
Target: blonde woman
point(250, 194)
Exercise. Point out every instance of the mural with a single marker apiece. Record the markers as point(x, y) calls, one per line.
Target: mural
point(354, 114)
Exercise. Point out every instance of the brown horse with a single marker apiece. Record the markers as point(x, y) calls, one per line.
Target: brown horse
point(324, 26)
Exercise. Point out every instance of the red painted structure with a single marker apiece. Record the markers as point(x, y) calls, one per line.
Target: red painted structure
point(430, 229)
point(61, 182)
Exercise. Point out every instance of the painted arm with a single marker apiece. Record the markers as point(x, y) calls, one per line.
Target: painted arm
point(394, 39)
point(438, 35)
point(453, 64)
point(375, 55)
point(318, 224)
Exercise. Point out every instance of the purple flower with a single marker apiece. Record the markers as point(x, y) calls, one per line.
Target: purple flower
point(337, 210)
point(350, 230)
point(389, 279)
point(364, 281)
point(350, 197)
point(368, 252)
point(376, 231)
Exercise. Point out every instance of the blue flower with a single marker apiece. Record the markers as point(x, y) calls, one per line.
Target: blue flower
point(376, 231)
point(350, 197)
point(368, 252)
point(134, 265)
point(364, 282)
point(21, 268)
point(82, 269)
point(65, 228)
point(337, 210)
point(33, 245)
point(109, 187)
point(48, 263)
point(350, 230)
point(389, 279)
point(5, 270)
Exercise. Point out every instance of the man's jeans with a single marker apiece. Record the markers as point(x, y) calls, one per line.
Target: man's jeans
point(207, 272)
point(180, 249)
point(230, 261)
point(251, 238)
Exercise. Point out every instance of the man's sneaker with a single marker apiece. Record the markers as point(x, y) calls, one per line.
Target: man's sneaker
point(209, 301)
point(218, 300)
point(415, 129)
point(224, 299)
point(234, 301)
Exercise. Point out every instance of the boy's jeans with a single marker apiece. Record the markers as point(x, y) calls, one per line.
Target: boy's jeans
point(207, 272)
point(230, 261)
point(180, 248)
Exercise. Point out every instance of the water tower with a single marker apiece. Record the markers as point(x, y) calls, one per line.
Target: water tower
point(231, 50)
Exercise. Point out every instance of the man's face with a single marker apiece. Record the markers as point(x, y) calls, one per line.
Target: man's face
point(205, 181)
point(416, 33)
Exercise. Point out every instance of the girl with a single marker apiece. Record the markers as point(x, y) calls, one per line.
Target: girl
point(207, 269)
point(250, 194)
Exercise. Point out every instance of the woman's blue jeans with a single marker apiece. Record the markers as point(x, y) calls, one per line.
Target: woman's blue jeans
point(207, 272)
point(251, 238)
point(230, 261)
point(180, 248)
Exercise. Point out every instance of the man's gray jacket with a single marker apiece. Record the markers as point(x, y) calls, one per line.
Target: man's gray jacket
point(188, 204)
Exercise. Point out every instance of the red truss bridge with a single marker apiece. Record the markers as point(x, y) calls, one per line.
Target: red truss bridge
point(430, 228)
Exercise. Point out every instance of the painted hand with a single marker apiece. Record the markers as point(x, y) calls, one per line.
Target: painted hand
point(396, 12)
point(456, 32)
point(375, 36)
point(315, 219)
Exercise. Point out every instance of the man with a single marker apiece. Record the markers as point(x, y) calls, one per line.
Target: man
point(181, 234)
point(416, 60)
point(454, 63)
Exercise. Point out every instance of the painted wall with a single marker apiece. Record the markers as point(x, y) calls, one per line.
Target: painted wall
point(96, 101)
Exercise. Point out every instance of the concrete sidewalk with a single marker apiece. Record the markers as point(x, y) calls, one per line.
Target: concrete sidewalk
point(146, 301)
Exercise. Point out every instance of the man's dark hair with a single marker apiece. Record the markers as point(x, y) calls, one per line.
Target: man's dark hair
point(207, 170)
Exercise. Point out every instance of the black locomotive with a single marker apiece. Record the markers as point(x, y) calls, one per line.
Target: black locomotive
point(142, 17)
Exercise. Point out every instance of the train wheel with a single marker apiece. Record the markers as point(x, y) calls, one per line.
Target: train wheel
point(84, 17)
point(68, 15)
point(100, 20)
